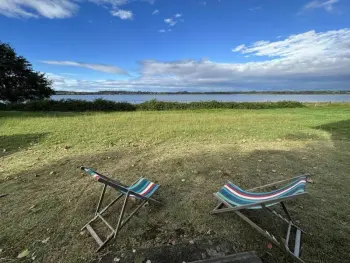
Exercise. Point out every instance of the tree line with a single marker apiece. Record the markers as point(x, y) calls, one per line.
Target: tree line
point(18, 81)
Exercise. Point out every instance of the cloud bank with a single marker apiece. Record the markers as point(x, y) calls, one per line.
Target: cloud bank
point(38, 8)
point(97, 67)
point(60, 8)
point(326, 5)
point(310, 60)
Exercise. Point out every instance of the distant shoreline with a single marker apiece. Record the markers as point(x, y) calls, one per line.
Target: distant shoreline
point(321, 92)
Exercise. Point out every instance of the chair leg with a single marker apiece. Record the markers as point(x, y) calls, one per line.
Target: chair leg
point(286, 211)
point(258, 228)
point(121, 222)
point(281, 240)
point(101, 198)
point(109, 238)
point(102, 211)
point(284, 219)
point(217, 207)
point(121, 215)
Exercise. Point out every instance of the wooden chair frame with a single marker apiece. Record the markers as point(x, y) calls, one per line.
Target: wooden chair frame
point(123, 191)
point(280, 241)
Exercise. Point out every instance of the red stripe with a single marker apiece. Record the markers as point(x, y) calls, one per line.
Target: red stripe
point(149, 190)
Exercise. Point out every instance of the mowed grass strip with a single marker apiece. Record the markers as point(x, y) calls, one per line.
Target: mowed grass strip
point(191, 154)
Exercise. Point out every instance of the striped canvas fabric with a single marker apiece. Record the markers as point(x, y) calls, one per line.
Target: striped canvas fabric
point(142, 187)
point(91, 172)
point(235, 196)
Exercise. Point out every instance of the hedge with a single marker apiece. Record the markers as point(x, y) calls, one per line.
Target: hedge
point(152, 105)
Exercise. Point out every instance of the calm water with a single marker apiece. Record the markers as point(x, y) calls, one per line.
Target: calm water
point(204, 97)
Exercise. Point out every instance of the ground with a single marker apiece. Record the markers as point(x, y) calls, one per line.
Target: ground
point(190, 154)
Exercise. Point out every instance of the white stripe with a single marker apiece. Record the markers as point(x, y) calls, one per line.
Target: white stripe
point(147, 188)
point(263, 198)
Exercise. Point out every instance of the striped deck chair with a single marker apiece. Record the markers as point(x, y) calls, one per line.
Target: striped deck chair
point(142, 190)
point(234, 199)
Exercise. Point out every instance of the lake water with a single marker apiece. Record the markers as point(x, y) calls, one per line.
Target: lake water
point(208, 97)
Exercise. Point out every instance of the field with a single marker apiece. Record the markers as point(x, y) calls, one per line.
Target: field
point(190, 154)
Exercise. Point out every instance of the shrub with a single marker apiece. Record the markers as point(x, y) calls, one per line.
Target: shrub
point(152, 105)
point(71, 105)
point(163, 105)
point(2, 106)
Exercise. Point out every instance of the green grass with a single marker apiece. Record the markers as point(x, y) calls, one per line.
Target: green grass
point(204, 147)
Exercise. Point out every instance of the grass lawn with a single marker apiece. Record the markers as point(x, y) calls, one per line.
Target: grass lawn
point(190, 154)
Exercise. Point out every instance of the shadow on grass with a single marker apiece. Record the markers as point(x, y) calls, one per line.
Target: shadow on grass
point(57, 204)
point(302, 136)
point(29, 114)
point(339, 130)
point(10, 144)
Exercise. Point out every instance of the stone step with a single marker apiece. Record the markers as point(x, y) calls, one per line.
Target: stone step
point(213, 250)
point(245, 257)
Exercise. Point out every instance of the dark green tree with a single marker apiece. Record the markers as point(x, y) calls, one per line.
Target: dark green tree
point(18, 81)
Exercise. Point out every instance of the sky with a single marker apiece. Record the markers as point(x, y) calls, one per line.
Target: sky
point(183, 45)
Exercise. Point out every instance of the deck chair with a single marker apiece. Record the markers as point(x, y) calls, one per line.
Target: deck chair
point(234, 199)
point(142, 190)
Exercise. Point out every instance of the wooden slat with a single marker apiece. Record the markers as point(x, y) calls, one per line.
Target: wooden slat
point(246, 257)
point(297, 243)
point(94, 235)
point(288, 233)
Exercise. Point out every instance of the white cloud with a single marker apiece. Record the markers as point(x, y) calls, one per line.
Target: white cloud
point(38, 8)
point(326, 5)
point(170, 21)
point(97, 67)
point(238, 48)
point(155, 12)
point(59, 8)
point(311, 60)
point(255, 8)
point(110, 2)
point(123, 14)
point(164, 30)
point(303, 46)
point(117, 3)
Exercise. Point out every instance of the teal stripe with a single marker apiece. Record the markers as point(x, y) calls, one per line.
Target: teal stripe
point(145, 185)
point(141, 184)
point(236, 200)
point(136, 184)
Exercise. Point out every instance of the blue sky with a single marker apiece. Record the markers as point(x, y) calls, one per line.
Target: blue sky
point(172, 45)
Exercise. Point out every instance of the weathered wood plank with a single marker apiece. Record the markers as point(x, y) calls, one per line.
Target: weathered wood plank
point(94, 235)
point(297, 243)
